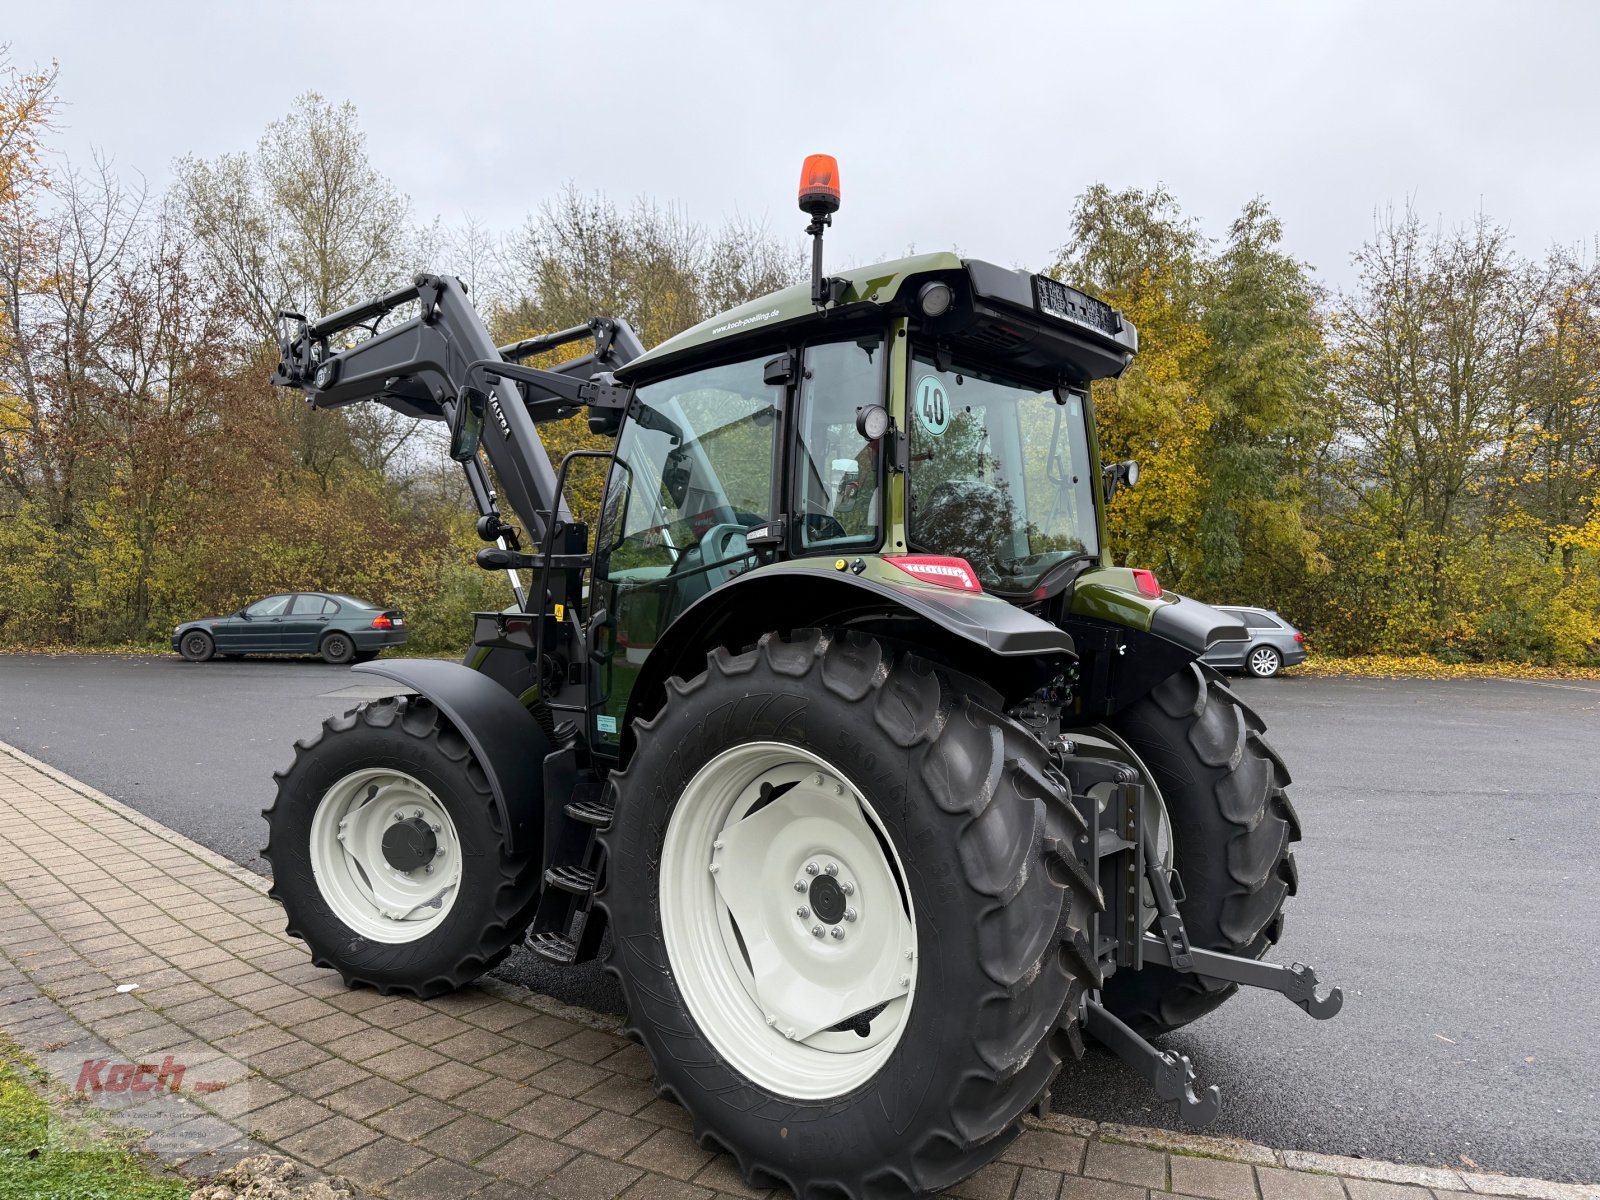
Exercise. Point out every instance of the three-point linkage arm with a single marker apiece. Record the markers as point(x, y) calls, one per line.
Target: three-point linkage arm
point(421, 366)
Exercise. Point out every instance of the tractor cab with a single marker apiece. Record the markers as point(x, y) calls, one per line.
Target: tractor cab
point(929, 418)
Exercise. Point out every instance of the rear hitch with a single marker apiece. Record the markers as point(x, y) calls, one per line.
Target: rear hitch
point(1172, 949)
point(1170, 1075)
point(1298, 982)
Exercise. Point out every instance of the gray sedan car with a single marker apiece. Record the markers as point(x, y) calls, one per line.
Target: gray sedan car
point(1272, 645)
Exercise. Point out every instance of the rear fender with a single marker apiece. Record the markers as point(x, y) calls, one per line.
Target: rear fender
point(1129, 641)
point(981, 636)
point(504, 737)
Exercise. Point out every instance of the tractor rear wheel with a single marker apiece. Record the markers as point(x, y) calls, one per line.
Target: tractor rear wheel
point(845, 916)
point(1232, 825)
point(388, 854)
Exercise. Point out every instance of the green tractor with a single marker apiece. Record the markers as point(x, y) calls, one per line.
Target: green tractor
point(887, 787)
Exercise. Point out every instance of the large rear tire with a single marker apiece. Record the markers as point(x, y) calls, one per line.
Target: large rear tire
point(1232, 825)
point(824, 757)
point(424, 907)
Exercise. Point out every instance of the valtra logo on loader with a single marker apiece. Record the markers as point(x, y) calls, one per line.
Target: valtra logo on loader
point(876, 785)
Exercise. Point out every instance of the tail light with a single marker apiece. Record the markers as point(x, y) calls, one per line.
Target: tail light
point(1300, 637)
point(1147, 583)
point(944, 570)
point(382, 621)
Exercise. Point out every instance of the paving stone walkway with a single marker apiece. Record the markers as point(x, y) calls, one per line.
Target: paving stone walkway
point(233, 1043)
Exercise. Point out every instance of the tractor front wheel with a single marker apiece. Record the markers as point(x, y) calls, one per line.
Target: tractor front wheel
point(845, 916)
point(388, 854)
point(1232, 825)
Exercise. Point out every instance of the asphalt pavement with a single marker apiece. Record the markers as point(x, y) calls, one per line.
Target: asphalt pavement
point(1447, 883)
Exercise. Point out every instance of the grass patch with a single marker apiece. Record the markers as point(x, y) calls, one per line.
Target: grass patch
point(1395, 666)
point(33, 1165)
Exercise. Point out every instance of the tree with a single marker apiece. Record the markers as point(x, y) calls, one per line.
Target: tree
point(305, 221)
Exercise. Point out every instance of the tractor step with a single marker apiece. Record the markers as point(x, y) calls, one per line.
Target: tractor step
point(594, 812)
point(579, 881)
point(554, 947)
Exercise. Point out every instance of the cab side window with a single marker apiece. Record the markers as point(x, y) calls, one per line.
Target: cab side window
point(836, 469)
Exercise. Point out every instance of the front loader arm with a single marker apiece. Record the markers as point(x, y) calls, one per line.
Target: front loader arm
point(420, 367)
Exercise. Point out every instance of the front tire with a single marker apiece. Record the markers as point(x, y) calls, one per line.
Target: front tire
point(906, 1068)
point(1232, 825)
point(425, 915)
point(197, 645)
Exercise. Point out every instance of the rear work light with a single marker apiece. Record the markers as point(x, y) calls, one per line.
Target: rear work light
point(382, 621)
point(1147, 583)
point(941, 569)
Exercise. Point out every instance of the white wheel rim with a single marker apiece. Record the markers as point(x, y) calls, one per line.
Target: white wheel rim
point(1263, 661)
point(363, 889)
point(737, 870)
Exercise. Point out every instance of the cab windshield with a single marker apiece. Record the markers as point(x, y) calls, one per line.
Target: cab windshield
point(999, 473)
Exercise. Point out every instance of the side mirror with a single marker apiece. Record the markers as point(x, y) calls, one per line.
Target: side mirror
point(466, 424)
point(243, 614)
point(1119, 474)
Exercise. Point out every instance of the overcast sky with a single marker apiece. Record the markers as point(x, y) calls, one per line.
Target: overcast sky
point(955, 124)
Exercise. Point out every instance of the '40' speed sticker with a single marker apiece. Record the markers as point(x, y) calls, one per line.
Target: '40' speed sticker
point(933, 405)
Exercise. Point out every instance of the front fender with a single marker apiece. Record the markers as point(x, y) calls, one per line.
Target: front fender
point(504, 737)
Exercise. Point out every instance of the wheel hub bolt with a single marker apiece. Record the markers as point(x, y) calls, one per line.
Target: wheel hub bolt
point(803, 913)
point(811, 868)
point(905, 981)
point(816, 931)
point(799, 885)
point(848, 888)
point(836, 933)
point(849, 914)
point(832, 868)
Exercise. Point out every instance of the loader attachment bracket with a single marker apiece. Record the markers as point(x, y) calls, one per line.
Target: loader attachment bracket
point(1170, 1075)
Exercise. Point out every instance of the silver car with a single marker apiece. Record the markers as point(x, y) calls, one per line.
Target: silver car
point(1272, 645)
